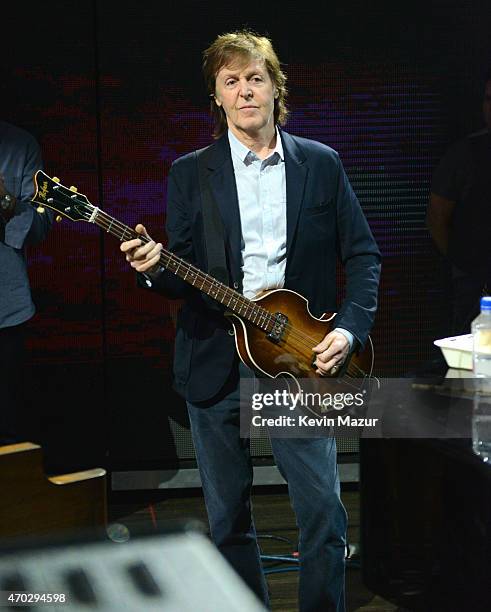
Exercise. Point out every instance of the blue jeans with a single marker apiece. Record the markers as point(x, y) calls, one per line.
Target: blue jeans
point(310, 468)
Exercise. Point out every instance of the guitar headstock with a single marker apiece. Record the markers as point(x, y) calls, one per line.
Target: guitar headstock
point(64, 200)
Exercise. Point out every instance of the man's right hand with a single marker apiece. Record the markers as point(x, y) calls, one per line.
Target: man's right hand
point(142, 257)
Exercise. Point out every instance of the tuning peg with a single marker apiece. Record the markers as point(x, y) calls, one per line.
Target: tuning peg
point(58, 218)
point(56, 179)
point(72, 188)
point(40, 210)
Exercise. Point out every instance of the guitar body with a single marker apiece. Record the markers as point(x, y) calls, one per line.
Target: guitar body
point(292, 355)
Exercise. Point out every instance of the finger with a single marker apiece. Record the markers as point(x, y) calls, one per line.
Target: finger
point(327, 369)
point(327, 365)
point(335, 355)
point(336, 349)
point(129, 245)
point(326, 342)
point(146, 253)
point(322, 346)
point(140, 248)
point(145, 265)
point(141, 229)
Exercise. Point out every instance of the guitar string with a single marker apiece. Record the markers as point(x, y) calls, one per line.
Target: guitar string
point(265, 315)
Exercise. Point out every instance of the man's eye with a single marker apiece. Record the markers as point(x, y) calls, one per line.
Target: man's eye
point(229, 83)
point(257, 79)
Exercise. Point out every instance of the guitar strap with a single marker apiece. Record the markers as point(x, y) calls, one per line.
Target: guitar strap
point(212, 226)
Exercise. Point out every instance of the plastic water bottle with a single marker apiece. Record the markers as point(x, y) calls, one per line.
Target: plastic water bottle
point(481, 341)
point(481, 426)
point(481, 364)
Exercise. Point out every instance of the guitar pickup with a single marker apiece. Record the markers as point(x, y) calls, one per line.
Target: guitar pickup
point(279, 325)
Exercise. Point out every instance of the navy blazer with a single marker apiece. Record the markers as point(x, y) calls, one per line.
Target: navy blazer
point(325, 224)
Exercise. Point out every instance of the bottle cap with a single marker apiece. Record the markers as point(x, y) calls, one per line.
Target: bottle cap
point(486, 303)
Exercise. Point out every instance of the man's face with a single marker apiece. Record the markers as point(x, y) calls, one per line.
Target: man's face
point(486, 105)
point(246, 94)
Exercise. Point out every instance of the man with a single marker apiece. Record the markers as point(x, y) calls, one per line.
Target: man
point(288, 211)
point(20, 226)
point(459, 218)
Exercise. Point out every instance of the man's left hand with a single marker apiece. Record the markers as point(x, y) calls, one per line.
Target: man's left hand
point(331, 352)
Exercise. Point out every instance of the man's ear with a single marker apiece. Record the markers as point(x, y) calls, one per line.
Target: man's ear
point(217, 101)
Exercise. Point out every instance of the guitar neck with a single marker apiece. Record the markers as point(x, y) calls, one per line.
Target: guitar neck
point(231, 299)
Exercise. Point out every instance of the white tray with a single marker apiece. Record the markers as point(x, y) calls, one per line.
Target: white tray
point(457, 351)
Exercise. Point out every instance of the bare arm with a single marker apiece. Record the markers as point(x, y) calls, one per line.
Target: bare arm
point(438, 220)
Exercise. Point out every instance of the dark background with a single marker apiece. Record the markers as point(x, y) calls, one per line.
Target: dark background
point(113, 92)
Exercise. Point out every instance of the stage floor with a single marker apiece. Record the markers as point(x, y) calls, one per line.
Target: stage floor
point(148, 511)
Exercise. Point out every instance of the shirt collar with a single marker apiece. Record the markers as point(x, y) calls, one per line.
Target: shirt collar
point(240, 151)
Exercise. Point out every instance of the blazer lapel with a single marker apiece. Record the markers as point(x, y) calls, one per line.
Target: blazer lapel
point(296, 175)
point(221, 179)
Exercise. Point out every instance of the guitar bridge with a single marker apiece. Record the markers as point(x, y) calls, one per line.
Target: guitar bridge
point(279, 325)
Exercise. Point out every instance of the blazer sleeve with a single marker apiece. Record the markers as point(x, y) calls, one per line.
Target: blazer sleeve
point(361, 259)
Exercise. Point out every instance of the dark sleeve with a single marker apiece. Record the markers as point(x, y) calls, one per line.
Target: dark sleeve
point(27, 226)
point(449, 176)
point(360, 257)
point(178, 229)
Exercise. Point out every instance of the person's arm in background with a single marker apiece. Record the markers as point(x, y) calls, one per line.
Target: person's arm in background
point(26, 226)
point(447, 187)
point(439, 219)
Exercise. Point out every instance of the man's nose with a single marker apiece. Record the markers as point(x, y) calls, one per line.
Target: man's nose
point(245, 90)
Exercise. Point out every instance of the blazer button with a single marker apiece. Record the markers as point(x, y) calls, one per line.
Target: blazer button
point(231, 332)
point(236, 285)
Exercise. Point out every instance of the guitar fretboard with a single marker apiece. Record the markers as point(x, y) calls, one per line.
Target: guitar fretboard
point(231, 299)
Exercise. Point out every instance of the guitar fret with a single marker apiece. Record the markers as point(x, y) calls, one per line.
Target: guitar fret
point(226, 295)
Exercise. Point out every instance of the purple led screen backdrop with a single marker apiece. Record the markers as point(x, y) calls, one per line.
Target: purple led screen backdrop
point(113, 92)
